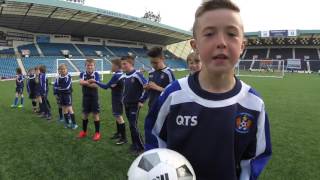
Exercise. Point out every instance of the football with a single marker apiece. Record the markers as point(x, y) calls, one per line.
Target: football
point(161, 164)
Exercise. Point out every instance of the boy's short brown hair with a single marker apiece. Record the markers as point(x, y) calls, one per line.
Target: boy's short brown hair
point(63, 66)
point(212, 5)
point(116, 62)
point(128, 58)
point(18, 70)
point(90, 60)
point(42, 68)
point(156, 52)
point(192, 57)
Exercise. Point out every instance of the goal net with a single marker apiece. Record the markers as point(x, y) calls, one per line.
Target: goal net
point(76, 66)
point(260, 68)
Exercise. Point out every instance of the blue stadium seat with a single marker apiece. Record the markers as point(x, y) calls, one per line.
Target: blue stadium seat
point(176, 63)
point(8, 67)
point(9, 51)
point(120, 51)
point(140, 52)
point(89, 50)
point(49, 62)
point(54, 49)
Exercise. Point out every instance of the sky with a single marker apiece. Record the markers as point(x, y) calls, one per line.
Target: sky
point(257, 15)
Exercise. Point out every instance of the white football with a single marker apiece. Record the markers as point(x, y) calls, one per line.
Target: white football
point(161, 164)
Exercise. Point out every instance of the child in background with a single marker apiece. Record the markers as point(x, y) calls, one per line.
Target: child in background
point(19, 89)
point(31, 85)
point(63, 88)
point(116, 100)
point(90, 99)
point(194, 63)
point(133, 82)
point(44, 105)
point(56, 95)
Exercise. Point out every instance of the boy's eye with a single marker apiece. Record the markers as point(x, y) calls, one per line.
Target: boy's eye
point(208, 34)
point(232, 34)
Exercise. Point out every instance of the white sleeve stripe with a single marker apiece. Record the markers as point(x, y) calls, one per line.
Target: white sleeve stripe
point(163, 112)
point(139, 79)
point(169, 74)
point(261, 137)
point(245, 170)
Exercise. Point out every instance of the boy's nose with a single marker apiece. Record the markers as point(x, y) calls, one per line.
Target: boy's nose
point(221, 43)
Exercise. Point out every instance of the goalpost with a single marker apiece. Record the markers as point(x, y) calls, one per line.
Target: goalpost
point(260, 68)
point(76, 66)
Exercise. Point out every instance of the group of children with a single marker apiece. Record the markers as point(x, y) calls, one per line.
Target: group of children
point(215, 120)
point(37, 87)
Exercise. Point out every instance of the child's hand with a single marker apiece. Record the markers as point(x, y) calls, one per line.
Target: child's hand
point(84, 83)
point(146, 87)
point(154, 86)
point(92, 81)
point(140, 105)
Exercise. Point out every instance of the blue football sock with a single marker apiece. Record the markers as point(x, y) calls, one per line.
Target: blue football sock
point(16, 101)
point(21, 100)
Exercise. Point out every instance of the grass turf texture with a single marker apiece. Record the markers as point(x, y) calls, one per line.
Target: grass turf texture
point(32, 148)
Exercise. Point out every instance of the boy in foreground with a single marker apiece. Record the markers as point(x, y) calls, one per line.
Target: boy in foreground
point(215, 120)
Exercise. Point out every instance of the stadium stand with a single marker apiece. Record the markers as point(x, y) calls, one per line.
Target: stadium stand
point(139, 52)
point(120, 51)
point(286, 53)
point(54, 49)
point(9, 51)
point(31, 47)
point(8, 67)
point(49, 61)
point(90, 50)
point(312, 54)
point(261, 53)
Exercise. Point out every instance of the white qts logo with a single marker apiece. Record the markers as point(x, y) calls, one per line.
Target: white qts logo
point(186, 120)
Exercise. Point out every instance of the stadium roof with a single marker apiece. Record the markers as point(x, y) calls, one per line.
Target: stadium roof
point(60, 17)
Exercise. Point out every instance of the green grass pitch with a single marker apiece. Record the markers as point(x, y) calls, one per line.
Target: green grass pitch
point(32, 148)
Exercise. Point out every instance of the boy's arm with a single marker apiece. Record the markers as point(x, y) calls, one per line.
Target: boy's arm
point(115, 78)
point(155, 122)
point(55, 86)
point(145, 94)
point(260, 149)
point(143, 83)
point(82, 81)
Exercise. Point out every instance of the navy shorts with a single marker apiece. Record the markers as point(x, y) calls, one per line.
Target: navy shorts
point(90, 104)
point(57, 99)
point(117, 107)
point(32, 95)
point(65, 99)
point(19, 90)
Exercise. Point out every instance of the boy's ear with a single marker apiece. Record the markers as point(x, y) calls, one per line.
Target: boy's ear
point(194, 46)
point(243, 45)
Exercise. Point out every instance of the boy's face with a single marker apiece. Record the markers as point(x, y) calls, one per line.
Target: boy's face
point(37, 71)
point(194, 65)
point(31, 71)
point(219, 40)
point(126, 66)
point(63, 71)
point(114, 68)
point(90, 67)
point(157, 63)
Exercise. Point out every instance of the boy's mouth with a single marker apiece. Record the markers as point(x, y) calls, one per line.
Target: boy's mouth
point(220, 57)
